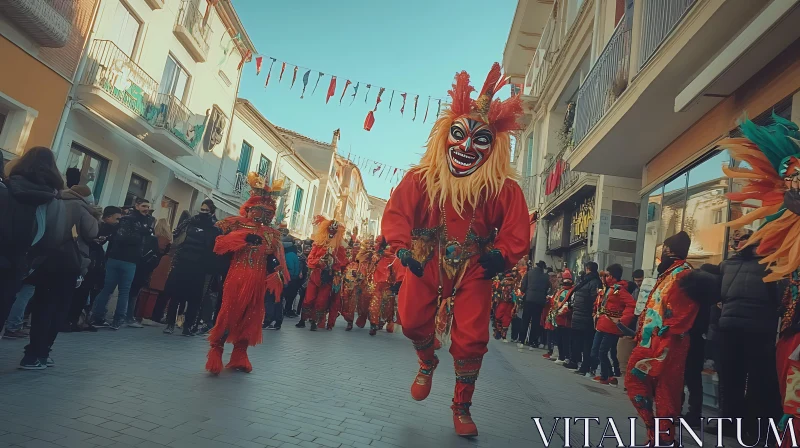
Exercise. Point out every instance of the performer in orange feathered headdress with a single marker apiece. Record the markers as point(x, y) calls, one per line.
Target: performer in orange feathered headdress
point(772, 175)
point(326, 262)
point(445, 210)
point(257, 274)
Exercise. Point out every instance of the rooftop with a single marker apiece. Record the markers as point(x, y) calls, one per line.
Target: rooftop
point(292, 134)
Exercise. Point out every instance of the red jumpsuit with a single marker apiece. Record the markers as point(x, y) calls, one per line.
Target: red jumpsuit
point(505, 305)
point(410, 216)
point(248, 282)
point(366, 289)
point(382, 304)
point(655, 369)
point(350, 292)
point(320, 297)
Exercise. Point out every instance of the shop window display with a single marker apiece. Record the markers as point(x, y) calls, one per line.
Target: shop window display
point(706, 205)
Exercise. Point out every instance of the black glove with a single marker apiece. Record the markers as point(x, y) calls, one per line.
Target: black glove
point(493, 263)
point(272, 264)
point(253, 239)
point(395, 288)
point(404, 255)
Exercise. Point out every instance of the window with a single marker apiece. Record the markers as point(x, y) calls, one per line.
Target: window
point(264, 167)
point(124, 29)
point(298, 200)
point(137, 188)
point(244, 157)
point(174, 80)
point(3, 116)
point(704, 204)
point(93, 168)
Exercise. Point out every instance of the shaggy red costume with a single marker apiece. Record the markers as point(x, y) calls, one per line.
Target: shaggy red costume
point(385, 276)
point(258, 268)
point(326, 262)
point(440, 222)
point(506, 306)
point(350, 292)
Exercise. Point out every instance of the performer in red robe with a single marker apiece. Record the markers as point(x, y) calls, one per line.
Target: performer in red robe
point(350, 292)
point(440, 221)
point(505, 308)
point(258, 270)
point(385, 276)
point(326, 262)
point(655, 369)
point(366, 282)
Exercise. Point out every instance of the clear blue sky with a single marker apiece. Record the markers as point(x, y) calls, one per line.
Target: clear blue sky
point(411, 45)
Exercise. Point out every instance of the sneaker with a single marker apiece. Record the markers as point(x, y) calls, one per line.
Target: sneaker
point(571, 365)
point(169, 329)
point(47, 361)
point(590, 375)
point(560, 362)
point(115, 326)
point(90, 328)
point(301, 324)
point(270, 327)
point(579, 372)
point(598, 379)
point(14, 334)
point(613, 382)
point(553, 357)
point(134, 324)
point(545, 356)
point(31, 364)
point(520, 345)
point(531, 349)
point(505, 341)
point(277, 327)
point(101, 324)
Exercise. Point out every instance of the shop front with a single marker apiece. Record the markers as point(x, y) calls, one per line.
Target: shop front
point(569, 231)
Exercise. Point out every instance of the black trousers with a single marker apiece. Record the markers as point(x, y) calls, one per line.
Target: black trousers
point(531, 314)
point(516, 323)
point(184, 287)
point(289, 293)
point(582, 347)
point(748, 363)
point(563, 336)
point(10, 282)
point(89, 289)
point(693, 374)
point(50, 305)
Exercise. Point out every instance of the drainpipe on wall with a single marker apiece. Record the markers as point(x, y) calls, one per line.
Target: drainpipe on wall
point(62, 123)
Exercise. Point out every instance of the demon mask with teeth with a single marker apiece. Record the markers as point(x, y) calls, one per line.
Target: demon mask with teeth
point(469, 150)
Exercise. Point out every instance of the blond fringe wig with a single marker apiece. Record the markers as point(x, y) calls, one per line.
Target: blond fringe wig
point(320, 235)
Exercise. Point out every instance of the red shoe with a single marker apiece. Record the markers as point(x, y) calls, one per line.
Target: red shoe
point(547, 356)
point(390, 327)
point(214, 363)
point(239, 360)
point(421, 387)
point(462, 420)
point(613, 382)
point(373, 331)
point(349, 326)
point(599, 379)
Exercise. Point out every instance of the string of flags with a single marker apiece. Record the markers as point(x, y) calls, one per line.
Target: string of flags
point(377, 169)
point(348, 86)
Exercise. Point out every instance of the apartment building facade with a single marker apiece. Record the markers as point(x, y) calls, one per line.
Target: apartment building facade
point(256, 145)
point(42, 41)
point(152, 106)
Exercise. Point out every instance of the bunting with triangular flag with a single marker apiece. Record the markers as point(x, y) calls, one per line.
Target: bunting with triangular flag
point(305, 84)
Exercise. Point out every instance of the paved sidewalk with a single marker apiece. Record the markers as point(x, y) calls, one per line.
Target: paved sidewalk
point(140, 388)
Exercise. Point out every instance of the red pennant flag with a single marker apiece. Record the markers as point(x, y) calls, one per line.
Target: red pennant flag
point(380, 92)
point(283, 67)
point(294, 77)
point(377, 168)
point(403, 107)
point(331, 89)
point(269, 73)
point(369, 121)
point(346, 85)
point(259, 60)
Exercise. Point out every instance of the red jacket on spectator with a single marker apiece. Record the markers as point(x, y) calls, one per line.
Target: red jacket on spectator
point(615, 302)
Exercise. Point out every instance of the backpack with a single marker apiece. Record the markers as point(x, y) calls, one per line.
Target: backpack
point(17, 228)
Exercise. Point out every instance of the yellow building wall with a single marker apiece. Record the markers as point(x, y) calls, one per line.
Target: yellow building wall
point(33, 84)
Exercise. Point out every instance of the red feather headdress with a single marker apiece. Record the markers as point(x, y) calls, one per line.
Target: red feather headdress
point(502, 116)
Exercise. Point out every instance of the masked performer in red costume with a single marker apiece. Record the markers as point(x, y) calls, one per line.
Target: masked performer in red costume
point(505, 308)
point(385, 276)
point(366, 282)
point(258, 270)
point(445, 210)
point(350, 292)
point(326, 262)
point(655, 369)
point(773, 180)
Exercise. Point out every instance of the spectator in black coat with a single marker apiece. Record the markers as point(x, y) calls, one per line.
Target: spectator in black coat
point(535, 286)
point(748, 330)
point(582, 305)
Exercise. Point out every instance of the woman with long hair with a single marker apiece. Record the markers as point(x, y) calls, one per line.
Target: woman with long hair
point(26, 194)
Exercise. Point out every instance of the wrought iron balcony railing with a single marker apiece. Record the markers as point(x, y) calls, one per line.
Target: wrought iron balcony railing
point(171, 114)
point(659, 17)
point(47, 22)
point(544, 57)
point(240, 187)
point(191, 18)
point(528, 185)
point(110, 69)
point(606, 81)
point(566, 178)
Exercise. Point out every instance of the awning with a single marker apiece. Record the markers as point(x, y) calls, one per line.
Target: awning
point(181, 172)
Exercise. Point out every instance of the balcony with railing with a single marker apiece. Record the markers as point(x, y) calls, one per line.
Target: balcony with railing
point(117, 88)
point(192, 31)
point(558, 182)
point(659, 17)
point(544, 57)
point(178, 130)
point(46, 22)
point(605, 82)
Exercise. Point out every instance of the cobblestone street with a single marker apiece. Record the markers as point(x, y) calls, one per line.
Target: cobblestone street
point(145, 389)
